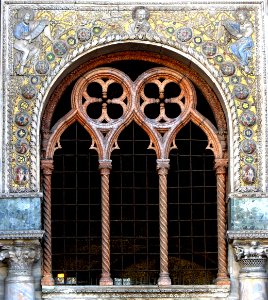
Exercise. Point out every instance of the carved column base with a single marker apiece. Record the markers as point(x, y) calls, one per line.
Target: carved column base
point(47, 280)
point(106, 280)
point(164, 279)
point(222, 280)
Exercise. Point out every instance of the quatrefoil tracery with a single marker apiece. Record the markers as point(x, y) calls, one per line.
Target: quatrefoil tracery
point(103, 87)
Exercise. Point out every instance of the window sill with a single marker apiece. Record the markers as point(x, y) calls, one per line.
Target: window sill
point(116, 292)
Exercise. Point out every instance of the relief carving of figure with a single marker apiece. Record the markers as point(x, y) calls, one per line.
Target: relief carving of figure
point(140, 16)
point(239, 33)
point(26, 32)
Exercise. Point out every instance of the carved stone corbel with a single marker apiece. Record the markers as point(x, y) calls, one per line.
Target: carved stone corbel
point(20, 256)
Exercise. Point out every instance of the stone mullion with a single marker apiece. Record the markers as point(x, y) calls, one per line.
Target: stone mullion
point(221, 167)
point(162, 167)
point(105, 167)
point(47, 168)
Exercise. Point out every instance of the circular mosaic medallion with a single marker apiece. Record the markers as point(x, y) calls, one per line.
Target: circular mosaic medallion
point(241, 91)
point(98, 30)
point(34, 80)
point(184, 34)
point(21, 146)
point(248, 133)
point(227, 69)
point(21, 175)
point(23, 105)
point(22, 119)
point(245, 105)
point(83, 34)
point(21, 133)
point(198, 40)
point(169, 30)
point(248, 118)
point(50, 57)
point(209, 49)
point(42, 67)
point(248, 174)
point(28, 91)
point(249, 159)
point(21, 159)
point(71, 41)
point(248, 146)
point(235, 79)
point(218, 59)
point(60, 48)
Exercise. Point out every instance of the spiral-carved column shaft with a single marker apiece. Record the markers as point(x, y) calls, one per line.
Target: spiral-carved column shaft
point(47, 168)
point(221, 167)
point(105, 167)
point(162, 167)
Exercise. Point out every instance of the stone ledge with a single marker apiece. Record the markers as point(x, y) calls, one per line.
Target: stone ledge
point(21, 234)
point(115, 292)
point(247, 234)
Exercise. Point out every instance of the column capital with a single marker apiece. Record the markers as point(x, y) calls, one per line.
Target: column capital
point(252, 256)
point(105, 166)
point(20, 257)
point(47, 166)
point(162, 166)
point(220, 165)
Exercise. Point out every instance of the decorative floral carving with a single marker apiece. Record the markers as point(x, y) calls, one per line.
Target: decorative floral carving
point(20, 257)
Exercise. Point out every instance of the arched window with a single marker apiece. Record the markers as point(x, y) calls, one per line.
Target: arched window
point(134, 197)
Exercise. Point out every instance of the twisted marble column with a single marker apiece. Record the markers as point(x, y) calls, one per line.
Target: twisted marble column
point(20, 256)
point(47, 168)
point(105, 168)
point(221, 167)
point(162, 168)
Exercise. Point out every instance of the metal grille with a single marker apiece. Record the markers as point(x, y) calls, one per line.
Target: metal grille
point(192, 210)
point(134, 210)
point(76, 209)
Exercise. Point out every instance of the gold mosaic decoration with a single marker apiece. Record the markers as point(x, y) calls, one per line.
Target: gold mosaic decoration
point(60, 36)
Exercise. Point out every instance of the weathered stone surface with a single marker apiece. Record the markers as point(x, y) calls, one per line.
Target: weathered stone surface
point(20, 214)
point(248, 214)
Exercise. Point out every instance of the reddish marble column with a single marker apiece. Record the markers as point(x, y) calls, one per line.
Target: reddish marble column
point(221, 168)
point(47, 168)
point(105, 168)
point(162, 168)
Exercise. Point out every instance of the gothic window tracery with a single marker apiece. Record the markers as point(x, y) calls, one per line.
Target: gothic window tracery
point(161, 101)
